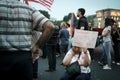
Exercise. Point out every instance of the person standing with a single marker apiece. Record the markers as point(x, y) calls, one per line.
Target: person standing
point(63, 38)
point(35, 36)
point(17, 21)
point(82, 22)
point(116, 42)
point(82, 56)
point(106, 33)
point(90, 28)
point(51, 51)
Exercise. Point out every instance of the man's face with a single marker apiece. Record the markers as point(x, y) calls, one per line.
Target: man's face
point(78, 13)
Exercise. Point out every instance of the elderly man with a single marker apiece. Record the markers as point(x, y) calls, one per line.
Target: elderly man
point(63, 38)
point(17, 21)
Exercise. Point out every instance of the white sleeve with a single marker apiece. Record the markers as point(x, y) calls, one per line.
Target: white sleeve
point(38, 20)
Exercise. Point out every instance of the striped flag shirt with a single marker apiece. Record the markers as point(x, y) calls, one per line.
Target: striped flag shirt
point(17, 21)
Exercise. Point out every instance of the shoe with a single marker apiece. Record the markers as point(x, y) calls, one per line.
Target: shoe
point(113, 62)
point(50, 70)
point(57, 55)
point(61, 64)
point(118, 64)
point(106, 67)
point(100, 63)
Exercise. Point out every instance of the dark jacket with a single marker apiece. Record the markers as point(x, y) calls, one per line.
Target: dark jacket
point(53, 39)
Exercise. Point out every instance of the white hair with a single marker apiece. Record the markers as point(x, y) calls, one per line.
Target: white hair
point(63, 23)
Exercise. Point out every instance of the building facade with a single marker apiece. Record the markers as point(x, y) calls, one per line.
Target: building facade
point(102, 14)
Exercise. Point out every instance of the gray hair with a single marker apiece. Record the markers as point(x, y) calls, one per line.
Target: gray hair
point(63, 23)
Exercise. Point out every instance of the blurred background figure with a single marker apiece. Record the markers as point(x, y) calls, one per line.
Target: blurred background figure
point(116, 43)
point(63, 38)
point(51, 50)
point(91, 50)
point(70, 36)
point(107, 46)
point(82, 22)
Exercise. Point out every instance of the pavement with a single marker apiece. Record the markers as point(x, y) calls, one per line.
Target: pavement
point(97, 73)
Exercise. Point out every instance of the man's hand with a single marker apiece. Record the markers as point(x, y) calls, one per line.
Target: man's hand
point(35, 53)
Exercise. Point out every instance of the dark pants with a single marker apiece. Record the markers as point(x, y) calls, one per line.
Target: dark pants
point(82, 76)
point(63, 49)
point(116, 53)
point(15, 65)
point(44, 52)
point(57, 48)
point(51, 52)
point(91, 53)
point(35, 69)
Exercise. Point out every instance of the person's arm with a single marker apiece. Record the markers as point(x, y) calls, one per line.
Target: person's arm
point(86, 61)
point(41, 23)
point(35, 37)
point(48, 29)
point(106, 33)
point(67, 59)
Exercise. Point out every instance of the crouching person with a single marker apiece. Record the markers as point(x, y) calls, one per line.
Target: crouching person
point(82, 56)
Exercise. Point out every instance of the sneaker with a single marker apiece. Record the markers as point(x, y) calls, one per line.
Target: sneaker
point(106, 67)
point(118, 64)
point(113, 62)
point(100, 63)
point(57, 55)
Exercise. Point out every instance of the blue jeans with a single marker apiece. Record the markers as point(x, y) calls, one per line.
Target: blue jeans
point(69, 45)
point(103, 57)
point(107, 49)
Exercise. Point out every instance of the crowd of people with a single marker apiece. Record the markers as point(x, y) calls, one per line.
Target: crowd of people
point(24, 32)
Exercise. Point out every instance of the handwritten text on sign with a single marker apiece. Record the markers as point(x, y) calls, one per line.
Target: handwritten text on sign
point(84, 38)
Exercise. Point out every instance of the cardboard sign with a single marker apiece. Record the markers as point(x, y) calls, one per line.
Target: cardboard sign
point(85, 39)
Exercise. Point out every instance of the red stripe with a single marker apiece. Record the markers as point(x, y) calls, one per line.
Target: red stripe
point(43, 3)
point(49, 1)
point(46, 3)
